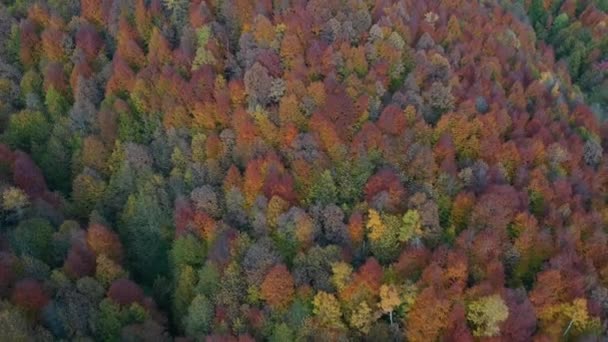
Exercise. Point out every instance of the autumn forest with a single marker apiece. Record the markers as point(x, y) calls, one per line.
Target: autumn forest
point(303, 170)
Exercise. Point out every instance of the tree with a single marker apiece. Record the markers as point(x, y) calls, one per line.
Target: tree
point(333, 224)
point(258, 84)
point(392, 120)
point(314, 267)
point(107, 270)
point(375, 226)
point(87, 193)
point(411, 227)
point(203, 54)
point(27, 129)
point(185, 281)
point(327, 310)
point(260, 257)
point(324, 190)
point(28, 176)
point(80, 261)
point(33, 237)
point(277, 289)
point(567, 319)
point(143, 221)
point(384, 191)
point(281, 332)
point(108, 321)
point(439, 99)
point(485, 315)
point(159, 50)
point(383, 233)
point(14, 324)
point(362, 318)
point(56, 103)
point(92, 11)
point(592, 152)
point(187, 251)
point(341, 274)
point(454, 32)
point(208, 279)
point(427, 317)
point(199, 318)
point(14, 199)
point(389, 299)
point(102, 240)
point(124, 292)
point(95, 155)
point(29, 295)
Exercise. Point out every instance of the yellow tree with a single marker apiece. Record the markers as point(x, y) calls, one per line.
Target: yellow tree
point(453, 31)
point(341, 274)
point(389, 299)
point(327, 310)
point(362, 317)
point(486, 314)
point(375, 226)
point(411, 227)
point(14, 199)
point(567, 319)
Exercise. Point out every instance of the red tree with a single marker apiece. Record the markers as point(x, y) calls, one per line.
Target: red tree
point(102, 240)
point(29, 295)
point(278, 287)
point(124, 292)
point(80, 261)
point(28, 176)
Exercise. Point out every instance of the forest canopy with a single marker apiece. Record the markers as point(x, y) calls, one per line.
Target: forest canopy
point(292, 170)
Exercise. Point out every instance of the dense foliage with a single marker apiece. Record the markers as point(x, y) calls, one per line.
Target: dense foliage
point(236, 170)
point(578, 31)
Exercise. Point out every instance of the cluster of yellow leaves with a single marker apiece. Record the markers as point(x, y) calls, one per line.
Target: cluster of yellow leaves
point(341, 274)
point(268, 130)
point(14, 199)
point(376, 228)
point(389, 298)
point(567, 319)
point(411, 227)
point(362, 318)
point(108, 270)
point(486, 314)
point(327, 310)
point(276, 206)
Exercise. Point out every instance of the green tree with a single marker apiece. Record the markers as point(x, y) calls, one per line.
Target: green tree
point(411, 226)
point(31, 82)
point(56, 104)
point(208, 279)
point(87, 192)
point(27, 129)
point(324, 190)
point(351, 177)
point(34, 237)
point(200, 316)
point(108, 325)
point(281, 332)
point(144, 227)
point(184, 292)
point(13, 324)
point(55, 156)
point(187, 250)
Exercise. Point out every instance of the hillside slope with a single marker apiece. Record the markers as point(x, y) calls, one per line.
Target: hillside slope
point(301, 170)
